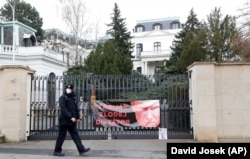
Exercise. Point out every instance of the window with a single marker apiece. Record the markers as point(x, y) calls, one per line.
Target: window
point(33, 40)
point(157, 69)
point(139, 49)
point(157, 26)
point(174, 44)
point(139, 28)
point(52, 37)
point(175, 25)
point(157, 47)
point(91, 46)
point(138, 69)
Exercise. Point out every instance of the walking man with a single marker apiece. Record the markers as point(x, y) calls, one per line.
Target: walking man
point(68, 119)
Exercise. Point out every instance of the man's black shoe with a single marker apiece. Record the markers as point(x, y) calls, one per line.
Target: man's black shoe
point(58, 154)
point(84, 151)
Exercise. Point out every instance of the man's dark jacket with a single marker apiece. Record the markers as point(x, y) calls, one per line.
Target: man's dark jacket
point(69, 109)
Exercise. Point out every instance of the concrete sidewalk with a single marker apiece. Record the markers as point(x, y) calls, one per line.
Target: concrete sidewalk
point(100, 149)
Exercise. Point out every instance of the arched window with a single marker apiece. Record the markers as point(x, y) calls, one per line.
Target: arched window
point(157, 26)
point(51, 91)
point(139, 28)
point(139, 49)
point(157, 47)
point(29, 40)
point(175, 25)
point(33, 40)
point(138, 69)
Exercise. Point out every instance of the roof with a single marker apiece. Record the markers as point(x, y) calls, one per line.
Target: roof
point(165, 22)
point(157, 20)
point(10, 23)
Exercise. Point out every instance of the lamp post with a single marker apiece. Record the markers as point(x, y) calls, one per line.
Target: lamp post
point(13, 23)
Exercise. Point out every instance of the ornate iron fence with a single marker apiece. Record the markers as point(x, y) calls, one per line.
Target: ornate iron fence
point(171, 90)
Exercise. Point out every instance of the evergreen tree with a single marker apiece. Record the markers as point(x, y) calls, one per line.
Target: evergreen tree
point(176, 52)
point(111, 59)
point(25, 14)
point(121, 39)
point(221, 34)
point(106, 59)
point(94, 62)
point(182, 42)
point(193, 49)
point(77, 70)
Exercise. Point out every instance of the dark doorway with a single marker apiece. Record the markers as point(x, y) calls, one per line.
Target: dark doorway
point(51, 91)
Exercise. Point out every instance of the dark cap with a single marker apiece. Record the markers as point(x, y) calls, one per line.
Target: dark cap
point(71, 86)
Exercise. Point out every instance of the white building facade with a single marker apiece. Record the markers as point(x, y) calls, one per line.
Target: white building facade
point(152, 40)
point(27, 52)
point(56, 39)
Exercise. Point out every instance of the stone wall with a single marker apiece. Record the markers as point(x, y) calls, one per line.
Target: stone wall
point(15, 102)
point(220, 94)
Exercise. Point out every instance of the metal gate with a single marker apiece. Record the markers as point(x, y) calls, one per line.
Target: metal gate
point(171, 90)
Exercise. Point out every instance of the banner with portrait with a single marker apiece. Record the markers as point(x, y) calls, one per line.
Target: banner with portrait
point(144, 113)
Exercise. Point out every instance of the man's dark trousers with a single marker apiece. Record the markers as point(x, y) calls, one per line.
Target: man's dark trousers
point(74, 135)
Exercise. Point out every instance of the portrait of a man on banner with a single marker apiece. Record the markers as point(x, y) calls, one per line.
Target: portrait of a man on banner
point(147, 112)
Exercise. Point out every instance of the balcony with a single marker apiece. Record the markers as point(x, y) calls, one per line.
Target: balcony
point(154, 54)
point(31, 51)
point(6, 49)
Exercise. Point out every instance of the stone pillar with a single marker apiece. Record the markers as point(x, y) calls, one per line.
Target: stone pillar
point(203, 97)
point(15, 101)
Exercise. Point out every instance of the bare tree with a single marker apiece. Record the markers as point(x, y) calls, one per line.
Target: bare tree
point(96, 28)
point(244, 40)
point(75, 16)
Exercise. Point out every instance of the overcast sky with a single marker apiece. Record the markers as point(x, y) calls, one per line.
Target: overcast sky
point(134, 10)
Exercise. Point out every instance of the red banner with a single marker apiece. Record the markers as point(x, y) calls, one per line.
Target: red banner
point(144, 113)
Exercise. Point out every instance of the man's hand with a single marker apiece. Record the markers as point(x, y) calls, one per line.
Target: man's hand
point(73, 119)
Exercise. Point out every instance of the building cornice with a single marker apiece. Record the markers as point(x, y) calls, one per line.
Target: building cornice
point(157, 20)
point(33, 58)
point(10, 23)
point(153, 33)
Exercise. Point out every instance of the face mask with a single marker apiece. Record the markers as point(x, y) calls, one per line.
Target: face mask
point(68, 91)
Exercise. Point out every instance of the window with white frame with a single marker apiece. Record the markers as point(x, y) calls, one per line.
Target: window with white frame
point(139, 28)
point(175, 25)
point(157, 26)
point(157, 47)
point(174, 44)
